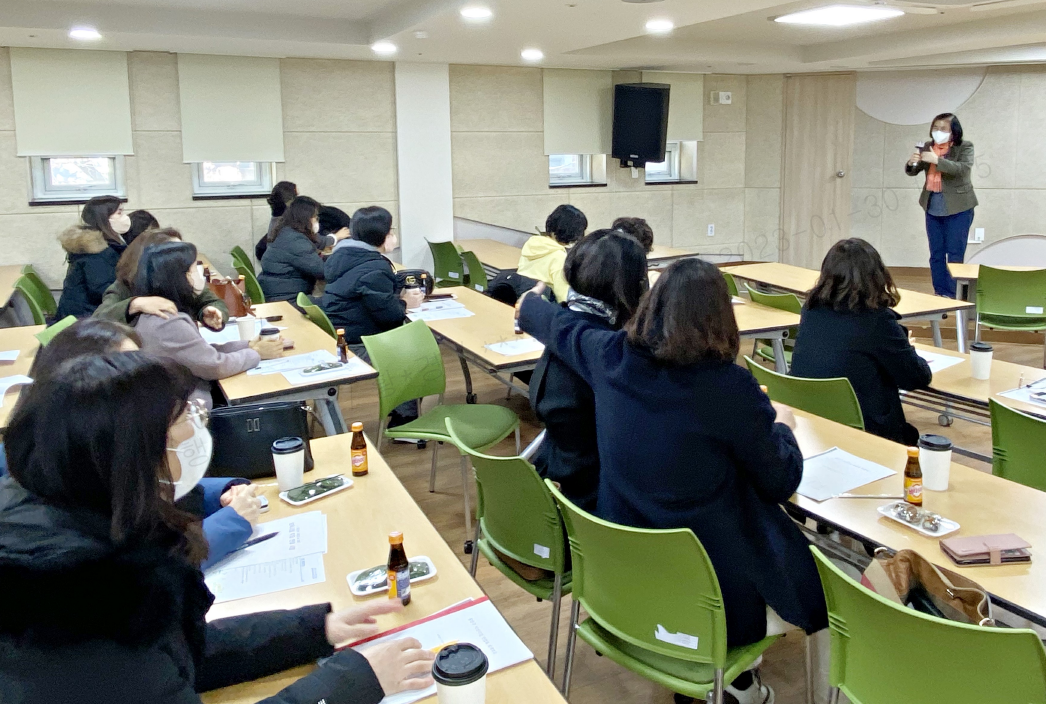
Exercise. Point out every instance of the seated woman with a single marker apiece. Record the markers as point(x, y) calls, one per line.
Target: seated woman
point(638, 228)
point(92, 250)
point(282, 195)
point(169, 271)
point(848, 329)
point(120, 306)
point(687, 440)
point(543, 255)
point(292, 264)
point(606, 272)
point(104, 602)
point(141, 220)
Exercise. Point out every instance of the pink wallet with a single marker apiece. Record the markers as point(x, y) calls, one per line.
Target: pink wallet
point(987, 549)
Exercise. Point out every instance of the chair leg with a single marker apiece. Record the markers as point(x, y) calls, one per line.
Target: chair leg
point(465, 497)
point(432, 473)
point(716, 695)
point(475, 552)
point(508, 395)
point(575, 613)
point(833, 696)
point(517, 437)
point(809, 670)
point(553, 637)
point(381, 432)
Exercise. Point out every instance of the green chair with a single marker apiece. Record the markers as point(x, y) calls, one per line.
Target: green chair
point(731, 284)
point(447, 266)
point(410, 366)
point(1018, 446)
point(1011, 300)
point(636, 584)
point(477, 275)
point(47, 334)
point(833, 399)
point(254, 289)
point(782, 301)
point(28, 291)
point(44, 297)
point(240, 258)
point(314, 313)
point(517, 517)
point(884, 653)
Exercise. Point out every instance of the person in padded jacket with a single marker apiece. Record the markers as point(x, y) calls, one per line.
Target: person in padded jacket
point(104, 602)
point(292, 264)
point(92, 249)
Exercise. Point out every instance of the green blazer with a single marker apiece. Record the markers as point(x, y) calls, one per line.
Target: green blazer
point(116, 304)
point(956, 185)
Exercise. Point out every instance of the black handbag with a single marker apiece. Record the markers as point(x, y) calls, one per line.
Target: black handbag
point(243, 437)
point(415, 278)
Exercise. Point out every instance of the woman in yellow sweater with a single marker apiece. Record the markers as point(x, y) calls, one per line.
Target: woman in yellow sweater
point(543, 255)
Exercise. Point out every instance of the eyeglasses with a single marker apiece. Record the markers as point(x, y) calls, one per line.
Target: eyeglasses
point(196, 413)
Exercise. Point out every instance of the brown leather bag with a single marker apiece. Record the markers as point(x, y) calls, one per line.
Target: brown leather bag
point(231, 294)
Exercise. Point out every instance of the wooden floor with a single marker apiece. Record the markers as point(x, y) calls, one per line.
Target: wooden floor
point(596, 679)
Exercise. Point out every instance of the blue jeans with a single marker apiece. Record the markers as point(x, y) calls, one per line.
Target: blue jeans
point(947, 235)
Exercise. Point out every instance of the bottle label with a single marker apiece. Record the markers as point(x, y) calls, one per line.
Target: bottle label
point(399, 583)
point(913, 491)
point(359, 458)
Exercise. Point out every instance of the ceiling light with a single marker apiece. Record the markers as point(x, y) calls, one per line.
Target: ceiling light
point(532, 54)
point(840, 15)
point(383, 48)
point(86, 34)
point(476, 13)
point(660, 26)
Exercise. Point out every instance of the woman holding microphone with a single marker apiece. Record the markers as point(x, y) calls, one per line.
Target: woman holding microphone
point(947, 196)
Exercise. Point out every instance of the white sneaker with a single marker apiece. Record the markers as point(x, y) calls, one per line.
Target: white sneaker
point(758, 693)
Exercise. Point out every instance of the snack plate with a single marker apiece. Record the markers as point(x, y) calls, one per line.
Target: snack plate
point(378, 590)
point(948, 526)
point(348, 483)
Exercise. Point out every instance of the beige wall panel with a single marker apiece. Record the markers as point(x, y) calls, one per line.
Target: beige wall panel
point(32, 238)
point(495, 99)
point(522, 213)
point(762, 220)
point(214, 231)
point(995, 214)
point(904, 230)
point(163, 181)
point(763, 131)
point(499, 164)
point(7, 105)
point(869, 143)
point(866, 215)
point(653, 205)
point(724, 159)
point(989, 120)
point(337, 96)
point(1031, 134)
point(14, 177)
point(1029, 213)
point(154, 91)
point(692, 213)
point(342, 167)
point(726, 118)
point(595, 203)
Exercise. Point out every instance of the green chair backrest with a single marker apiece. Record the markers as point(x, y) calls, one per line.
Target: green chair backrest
point(446, 264)
point(731, 284)
point(833, 399)
point(1011, 293)
point(884, 653)
point(47, 334)
point(28, 291)
point(44, 297)
point(477, 274)
point(314, 313)
point(638, 581)
point(409, 365)
point(515, 509)
point(1018, 446)
point(254, 289)
point(240, 257)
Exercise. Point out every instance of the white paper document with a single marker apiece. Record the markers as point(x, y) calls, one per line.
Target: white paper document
point(511, 348)
point(441, 304)
point(9, 355)
point(354, 367)
point(293, 362)
point(265, 578)
point(1034, 392)
point(231, 333)
point(8, 382)
point(835, 472)
point(938, 362)
point(445, 314)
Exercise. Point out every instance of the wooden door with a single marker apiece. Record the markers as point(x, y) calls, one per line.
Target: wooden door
point(818, 156)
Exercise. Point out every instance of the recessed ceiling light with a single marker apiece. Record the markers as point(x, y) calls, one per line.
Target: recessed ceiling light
point(86, 34)
point(840, 15)
point(476, 13)
point(383, 48)
point(532, 54)
point(660, 26)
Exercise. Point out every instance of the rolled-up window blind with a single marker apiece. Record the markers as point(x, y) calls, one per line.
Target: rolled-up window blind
point(71, 103)
point(579, 111)
point(231, 108)
point(686, 103)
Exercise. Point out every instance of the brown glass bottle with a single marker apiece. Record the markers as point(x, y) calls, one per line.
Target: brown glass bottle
point(242, 284)
point(343, 347)
point(358, 451)
point(205, 270)
point(399, 569)
point(913, 478)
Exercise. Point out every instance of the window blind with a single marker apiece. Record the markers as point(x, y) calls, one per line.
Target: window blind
point(686, 103)
point(579, 111)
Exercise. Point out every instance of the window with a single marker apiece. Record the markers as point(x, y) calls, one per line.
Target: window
point(577, 170)
point(224, 179)
point(667, 170)
point(75, 179)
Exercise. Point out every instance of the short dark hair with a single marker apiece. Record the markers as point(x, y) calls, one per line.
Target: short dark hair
point(90, 336)
point(298, 217)
point(93, 437)
point(282, 194)
point(127, 265)
point(141, 220)
point(956, 127)
point(332, 219)
point(687, 317)
point(638, 228)
point(853, 277)
point(566, 224)
point(611, 267)
point(162, 272)
point(96, 213)
point(371, 225)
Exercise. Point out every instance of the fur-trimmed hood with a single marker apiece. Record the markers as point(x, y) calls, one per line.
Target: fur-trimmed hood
point(80, 239)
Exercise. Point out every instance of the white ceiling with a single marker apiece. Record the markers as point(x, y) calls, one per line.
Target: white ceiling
point(731, 36)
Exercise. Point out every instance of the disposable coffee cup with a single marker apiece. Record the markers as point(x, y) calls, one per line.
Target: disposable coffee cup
point(980, 360)
point(247, 325)
point(460, 671)
point(288, 458)
point(270, 333)
point(935, 461)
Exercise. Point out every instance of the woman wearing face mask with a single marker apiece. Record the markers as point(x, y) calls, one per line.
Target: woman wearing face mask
point(104, 601)
point(92, 249)
point(169, 271)
point(292, 264)
point(947, 196)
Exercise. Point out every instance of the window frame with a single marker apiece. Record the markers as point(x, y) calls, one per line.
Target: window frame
point(673, 151)
point(204, 191)
point(593, 169)
point(43, 192)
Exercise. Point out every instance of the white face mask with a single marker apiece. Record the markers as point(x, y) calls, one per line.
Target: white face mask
point(197, 280)
point(120, 223)
point(316, 227)
point(940, 137)
point(194, 456)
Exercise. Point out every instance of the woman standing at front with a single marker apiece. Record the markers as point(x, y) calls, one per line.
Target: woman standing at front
point(947, 196)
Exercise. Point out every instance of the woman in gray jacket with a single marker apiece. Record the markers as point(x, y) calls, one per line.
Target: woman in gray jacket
point(291, 264)
point(169, 270)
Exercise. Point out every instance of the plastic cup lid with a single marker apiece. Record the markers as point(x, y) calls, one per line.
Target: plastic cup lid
point(980, 347)
point(287, 446)
point(459, 664)
point(270, 331)
point(935, 442)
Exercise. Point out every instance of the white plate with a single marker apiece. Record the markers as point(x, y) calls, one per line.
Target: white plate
point(378, 590)
point(332, 492)
point(948, 526)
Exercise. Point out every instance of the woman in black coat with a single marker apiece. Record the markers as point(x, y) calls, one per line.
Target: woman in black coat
point(848, 329)
point(92, 249)
point(292, 264)
point(607, 274)
point(103, 601)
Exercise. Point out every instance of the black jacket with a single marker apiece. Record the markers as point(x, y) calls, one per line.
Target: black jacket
point(695, 447)
point(84, 621)
point(291, 265)
point(92, 267)
point(362, 295)
point(871, 349)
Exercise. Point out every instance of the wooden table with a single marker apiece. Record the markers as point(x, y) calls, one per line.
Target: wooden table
point(981, 503)
point(661, 256)
point(913, 306)
point(493, 255)
point(243, 388)
point(23, 340)
point(359, 520)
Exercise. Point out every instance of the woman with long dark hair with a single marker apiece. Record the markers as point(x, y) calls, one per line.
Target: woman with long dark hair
point(104, 602)
point(92, 249)
point(292, 264)
point(141, 220)
point(282, 195)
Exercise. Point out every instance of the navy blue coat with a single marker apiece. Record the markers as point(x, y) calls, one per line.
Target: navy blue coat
point(92, 268)
point(291, 265)
point(361, 296)
point(695, 447)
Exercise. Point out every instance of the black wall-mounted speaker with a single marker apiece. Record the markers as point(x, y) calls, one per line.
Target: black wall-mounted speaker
point(640, 123)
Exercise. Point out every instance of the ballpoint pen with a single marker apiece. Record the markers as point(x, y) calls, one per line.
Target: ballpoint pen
point(254, 541)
